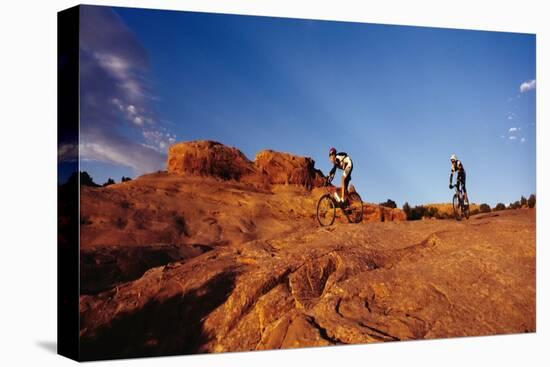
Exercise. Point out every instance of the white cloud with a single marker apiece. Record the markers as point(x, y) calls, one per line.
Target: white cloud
point(513, 130)
point(141, 159)
point(522, 140)
point(116, 96)
point(512, 138)
point(67, 152)
point(158, 140)
point(527, 86)
point(132, 109)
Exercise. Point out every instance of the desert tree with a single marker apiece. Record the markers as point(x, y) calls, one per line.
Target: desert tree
point(531, 202)
point(514, 205)
point(523, 201)
point(407, 210)
point(110, 181)
point(87, 180)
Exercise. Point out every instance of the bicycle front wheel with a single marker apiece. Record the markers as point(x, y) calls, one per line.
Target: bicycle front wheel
point(355, 208)
point(456, 207)
point(326, 210)
point(466, 211)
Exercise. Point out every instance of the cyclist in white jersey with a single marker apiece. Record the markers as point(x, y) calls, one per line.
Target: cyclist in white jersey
point(458, 167)
point(342, 161)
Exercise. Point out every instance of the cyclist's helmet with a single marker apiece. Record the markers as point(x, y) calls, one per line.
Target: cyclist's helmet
point(332, 151)
point(453, 157)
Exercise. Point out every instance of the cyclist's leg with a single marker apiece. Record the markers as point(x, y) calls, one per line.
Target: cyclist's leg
point(346, 179)
point(463, 183)
point(343, 190)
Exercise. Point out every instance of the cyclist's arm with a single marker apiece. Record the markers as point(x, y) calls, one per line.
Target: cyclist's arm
point(332, 171)
point(451, 178)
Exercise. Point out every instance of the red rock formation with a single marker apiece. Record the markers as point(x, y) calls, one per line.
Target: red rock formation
point(380, 213)
point(284, 168)
point(208, 158)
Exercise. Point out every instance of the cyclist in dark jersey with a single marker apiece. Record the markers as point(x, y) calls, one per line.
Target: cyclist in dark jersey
point(458, 167)
point(342, 161)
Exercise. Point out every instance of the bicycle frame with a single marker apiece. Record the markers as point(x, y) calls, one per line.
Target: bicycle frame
point(347, 207)
point(462, 207)
point(333, 192)
point(460, 194)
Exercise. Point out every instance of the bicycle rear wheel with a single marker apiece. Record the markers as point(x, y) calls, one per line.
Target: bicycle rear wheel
point(456, 207)
point(326, 210)
point(354, 211)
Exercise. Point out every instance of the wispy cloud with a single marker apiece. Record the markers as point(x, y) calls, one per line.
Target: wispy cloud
point(527, 86)
point(67, 152)
point(515, 134)
point(116, 96)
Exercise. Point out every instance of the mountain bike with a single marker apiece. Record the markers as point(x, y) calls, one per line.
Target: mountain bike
point(460, 208)
point(326, 207)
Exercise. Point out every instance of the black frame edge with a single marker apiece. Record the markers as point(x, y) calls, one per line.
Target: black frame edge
point(68, 192)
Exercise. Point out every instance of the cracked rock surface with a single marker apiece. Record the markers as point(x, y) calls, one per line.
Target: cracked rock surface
point(260, 276)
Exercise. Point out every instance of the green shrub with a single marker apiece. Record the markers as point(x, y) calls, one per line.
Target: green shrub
point(523, 201)
point(531, 202)
point(499, 206)
point(514, 205)
point(420, 211)
point(389, 204)
point(407, 210)
point(110, 181)
point(484, 208)
point(431, 212)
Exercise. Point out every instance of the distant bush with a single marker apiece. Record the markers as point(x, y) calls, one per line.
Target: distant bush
point(407, 209)
point(110, 181)
point(523, 201)
point(484, 208)
point(531, 202)
point(125, 179)
point(416, 213)
point(500, 206)
point(431, 212)
point(514, 205)
point(420, 211)
point(86, 180)
point(389, 204)
point(475, 211)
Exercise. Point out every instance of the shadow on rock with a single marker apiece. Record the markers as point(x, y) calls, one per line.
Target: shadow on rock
point(160, 328)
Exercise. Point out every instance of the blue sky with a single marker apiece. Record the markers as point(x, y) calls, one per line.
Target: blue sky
point(398, 99)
